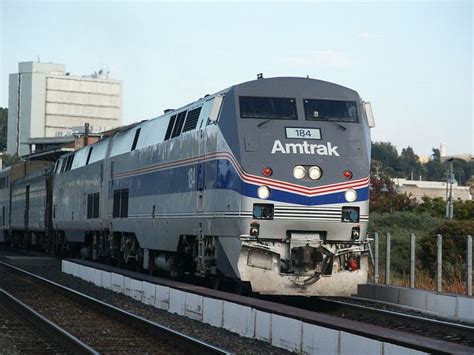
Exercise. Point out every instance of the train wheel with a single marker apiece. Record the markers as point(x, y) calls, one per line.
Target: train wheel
point(242, 288)
point(215, 281)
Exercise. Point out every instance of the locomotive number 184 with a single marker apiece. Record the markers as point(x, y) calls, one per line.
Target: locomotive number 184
point(303, 133)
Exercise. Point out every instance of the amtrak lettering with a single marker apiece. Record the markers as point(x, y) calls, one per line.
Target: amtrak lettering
point(304, 148)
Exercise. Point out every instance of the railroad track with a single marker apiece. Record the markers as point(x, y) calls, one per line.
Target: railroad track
point(432, 333)
point(104, 328)
point(459, 333)
point(29, 332)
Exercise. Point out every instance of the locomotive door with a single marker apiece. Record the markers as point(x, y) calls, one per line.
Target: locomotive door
point(27, 205)
point(200, 174)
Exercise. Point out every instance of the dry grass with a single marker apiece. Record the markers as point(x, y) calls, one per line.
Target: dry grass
point(427, 282)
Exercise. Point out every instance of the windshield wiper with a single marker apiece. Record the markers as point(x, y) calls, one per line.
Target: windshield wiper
point(264, 122)
point(338, 125)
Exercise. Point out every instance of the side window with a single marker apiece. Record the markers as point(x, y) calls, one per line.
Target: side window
point(170, 127)
point(63, 165)
point(124, 204)
point(116, 207)
point(68, 163)
point(89, 155)
point(178, 126)
point(120, 207)
point(93, 205)
point(135, 139)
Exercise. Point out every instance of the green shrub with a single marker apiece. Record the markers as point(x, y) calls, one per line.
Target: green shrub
point(400, 225)
point(454, 248)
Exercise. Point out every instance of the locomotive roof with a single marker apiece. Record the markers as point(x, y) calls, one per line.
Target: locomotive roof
point(273, 85)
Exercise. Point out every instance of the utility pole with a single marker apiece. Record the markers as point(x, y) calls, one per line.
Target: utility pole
point(450, 180)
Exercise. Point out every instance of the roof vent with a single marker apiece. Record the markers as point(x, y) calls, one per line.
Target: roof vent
point(168, 110)
point(260, 76)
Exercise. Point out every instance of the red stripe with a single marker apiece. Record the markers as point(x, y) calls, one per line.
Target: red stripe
point(253, 179)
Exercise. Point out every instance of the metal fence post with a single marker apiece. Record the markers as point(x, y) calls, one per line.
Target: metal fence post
point(412, 260)
point(376, 258)
point(387, 260)
point(439, 262)
point(469, 265)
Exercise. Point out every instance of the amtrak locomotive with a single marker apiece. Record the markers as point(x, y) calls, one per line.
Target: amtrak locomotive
point(265, 182)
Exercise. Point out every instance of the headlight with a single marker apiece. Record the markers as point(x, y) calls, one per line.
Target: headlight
point(299, 171)
point(315, 172)
point(351, 195)
point(263, 192)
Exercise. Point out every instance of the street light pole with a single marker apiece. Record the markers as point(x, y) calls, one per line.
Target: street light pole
point(450, 180)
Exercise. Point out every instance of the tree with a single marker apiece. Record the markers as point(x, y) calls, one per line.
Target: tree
point(386, 156)
point(410, 163)
point(435, 171)
point(8, 159)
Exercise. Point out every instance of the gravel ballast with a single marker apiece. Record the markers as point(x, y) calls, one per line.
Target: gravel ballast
point(50, 268)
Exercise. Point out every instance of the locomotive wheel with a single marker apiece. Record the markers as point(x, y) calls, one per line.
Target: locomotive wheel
point(215, 281)
point(242, 288)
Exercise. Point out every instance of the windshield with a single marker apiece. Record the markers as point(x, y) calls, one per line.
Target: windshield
point(268, 108)
point(330, 110)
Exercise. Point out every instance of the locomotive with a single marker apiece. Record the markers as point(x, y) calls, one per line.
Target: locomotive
point(265, 182)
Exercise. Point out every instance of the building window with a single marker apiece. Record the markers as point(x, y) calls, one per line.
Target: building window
point(120, 207)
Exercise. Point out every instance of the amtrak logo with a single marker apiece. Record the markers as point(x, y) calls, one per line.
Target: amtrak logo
point(304, 148)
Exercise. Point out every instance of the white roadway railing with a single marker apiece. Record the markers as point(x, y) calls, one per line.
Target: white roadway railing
point(439, 261)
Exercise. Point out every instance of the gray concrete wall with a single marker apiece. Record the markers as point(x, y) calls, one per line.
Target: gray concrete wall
point(12, 113)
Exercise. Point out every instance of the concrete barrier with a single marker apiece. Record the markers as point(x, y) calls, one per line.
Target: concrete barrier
point(213, 312)
point(447, 305)
point(284, 332)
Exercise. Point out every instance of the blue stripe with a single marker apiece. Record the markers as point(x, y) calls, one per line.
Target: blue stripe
point(217, 174)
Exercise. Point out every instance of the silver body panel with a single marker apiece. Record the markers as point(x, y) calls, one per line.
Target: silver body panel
point(204, 181)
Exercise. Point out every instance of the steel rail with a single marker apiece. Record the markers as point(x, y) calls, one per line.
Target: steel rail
point(189, 343)
point(468, 329)
point(451, 325)
point(57, 334)
point(280, 305)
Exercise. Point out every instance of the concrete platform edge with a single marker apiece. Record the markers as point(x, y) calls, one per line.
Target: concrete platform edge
point(303, 338)
point(458, 307)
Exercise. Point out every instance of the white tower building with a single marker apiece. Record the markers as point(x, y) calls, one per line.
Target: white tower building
point(45, 101)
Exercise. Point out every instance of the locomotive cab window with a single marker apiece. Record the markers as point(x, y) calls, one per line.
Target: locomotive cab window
point(330, 110)
point(268, 108)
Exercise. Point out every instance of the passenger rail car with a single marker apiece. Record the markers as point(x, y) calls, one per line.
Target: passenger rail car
point(25, 195)
point(265, 182)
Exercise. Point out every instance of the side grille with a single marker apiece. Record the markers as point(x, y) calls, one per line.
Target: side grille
point(192, 119)
point(312, 213)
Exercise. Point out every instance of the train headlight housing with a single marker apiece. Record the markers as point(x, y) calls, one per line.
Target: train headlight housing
point(299, 172)
point(263, 192)
point(351, 195)
point(315, 172)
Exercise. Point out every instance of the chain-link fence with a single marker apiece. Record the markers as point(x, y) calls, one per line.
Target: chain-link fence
point(399, 260)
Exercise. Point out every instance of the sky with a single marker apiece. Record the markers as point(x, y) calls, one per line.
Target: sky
point(412, 60)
